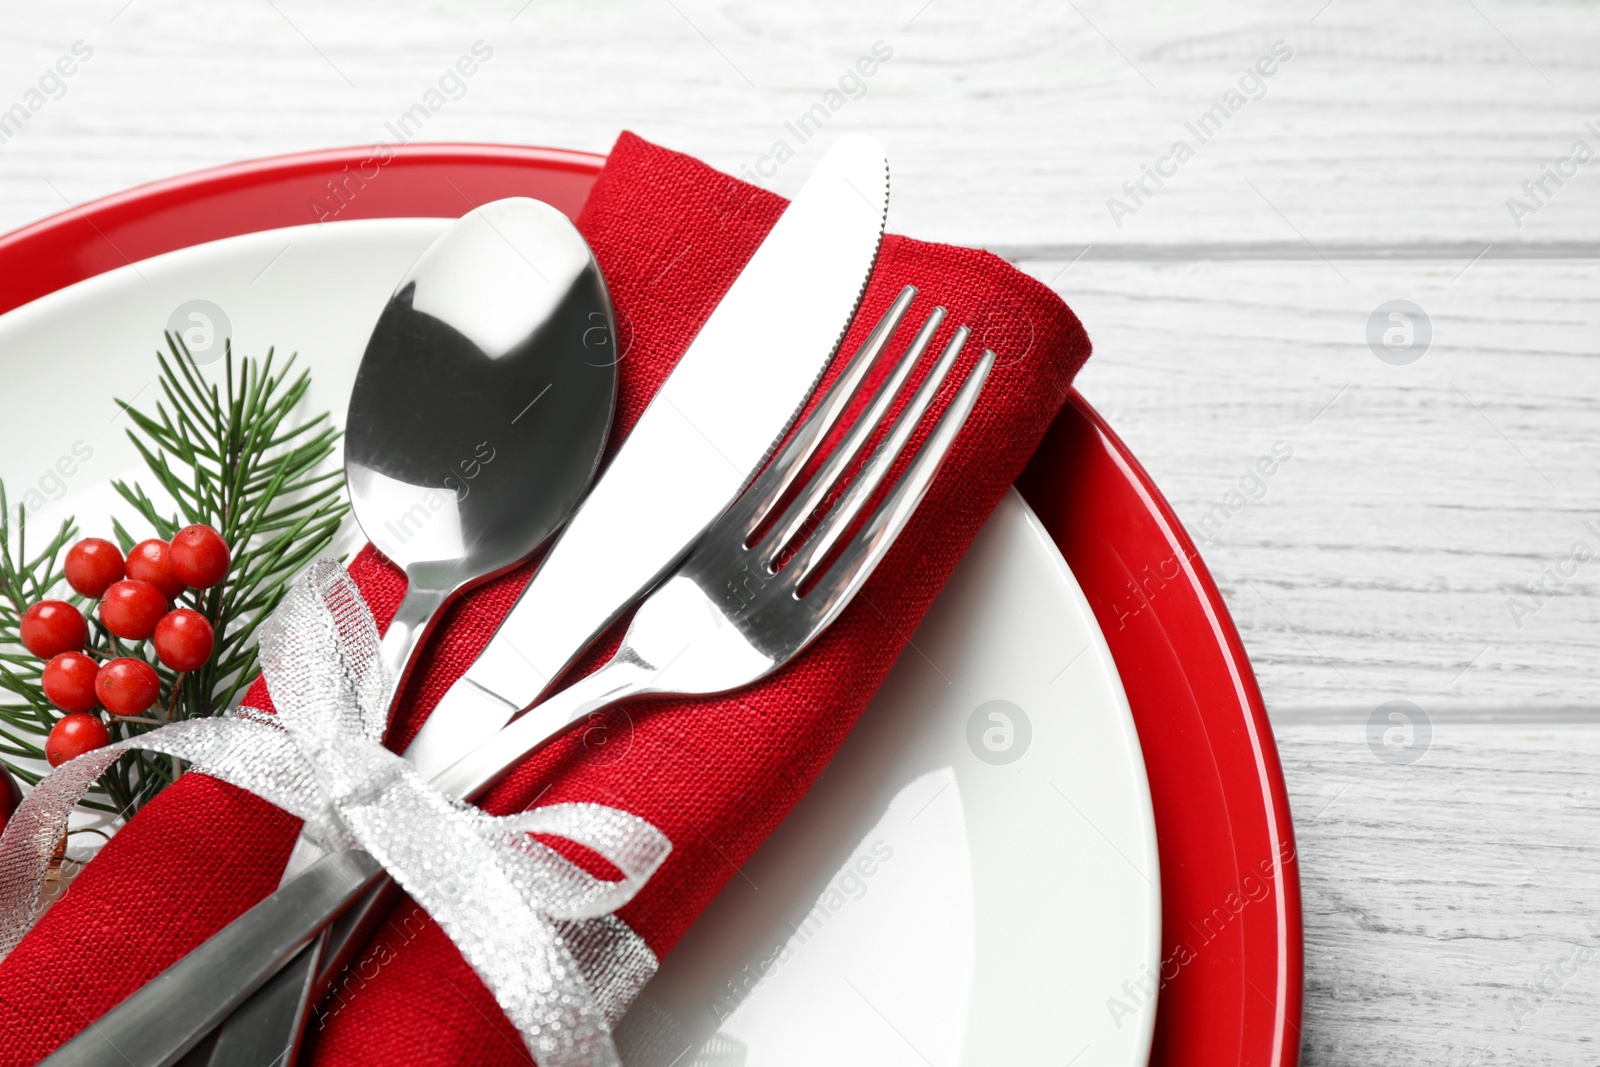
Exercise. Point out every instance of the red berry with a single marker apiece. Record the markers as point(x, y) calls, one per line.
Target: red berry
point(92, 565)
point(51, 627)
point(127, 686)
point(131, 608)
point(69, 681)
point(10, 796)
point(199, 556)
point(73, 735)
point(151, 561)
point(184, 639)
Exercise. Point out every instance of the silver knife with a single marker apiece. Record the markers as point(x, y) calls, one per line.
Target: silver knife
point(726, 405)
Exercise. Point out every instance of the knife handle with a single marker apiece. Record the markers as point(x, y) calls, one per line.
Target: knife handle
point(177, 1009)
point(268, 1028)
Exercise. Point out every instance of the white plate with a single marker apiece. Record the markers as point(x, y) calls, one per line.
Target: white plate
point(974, 878)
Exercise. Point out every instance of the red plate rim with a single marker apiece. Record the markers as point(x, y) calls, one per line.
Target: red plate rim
point(1232, 971)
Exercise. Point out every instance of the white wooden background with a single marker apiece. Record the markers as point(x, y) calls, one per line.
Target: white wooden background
point(1449, 901)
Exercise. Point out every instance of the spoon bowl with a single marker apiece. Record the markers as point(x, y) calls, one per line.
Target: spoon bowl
point(481, 407)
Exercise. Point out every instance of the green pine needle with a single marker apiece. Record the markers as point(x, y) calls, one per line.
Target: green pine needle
point(230, 459)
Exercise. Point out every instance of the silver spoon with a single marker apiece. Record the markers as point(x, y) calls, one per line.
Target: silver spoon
point(481, 407)
point(479, 415)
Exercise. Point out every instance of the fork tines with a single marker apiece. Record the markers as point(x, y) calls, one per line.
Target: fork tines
point(820, 566)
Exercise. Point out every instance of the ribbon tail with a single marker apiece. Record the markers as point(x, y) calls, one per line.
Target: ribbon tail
point(551, 989)
point(480, 897)
point(615, 962)
point(241, 751)
point(29, 841)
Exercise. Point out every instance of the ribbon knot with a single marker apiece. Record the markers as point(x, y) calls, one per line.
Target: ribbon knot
point(537, 928)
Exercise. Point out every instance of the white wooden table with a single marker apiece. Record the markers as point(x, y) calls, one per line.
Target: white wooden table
point(1419, 545)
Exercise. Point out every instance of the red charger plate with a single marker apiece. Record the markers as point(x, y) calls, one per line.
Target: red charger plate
point(1231, 977)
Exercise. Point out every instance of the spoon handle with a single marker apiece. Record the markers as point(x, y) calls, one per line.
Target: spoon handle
point(419, 610)
point(267, 1028)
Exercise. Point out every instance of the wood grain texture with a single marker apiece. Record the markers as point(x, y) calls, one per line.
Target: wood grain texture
point(1390, 557)
point(1449, 903)
point(1010, 123)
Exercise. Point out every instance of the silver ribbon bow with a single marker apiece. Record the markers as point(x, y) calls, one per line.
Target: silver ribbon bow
point(537, 928)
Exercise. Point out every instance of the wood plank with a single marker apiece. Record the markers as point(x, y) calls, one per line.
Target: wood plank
point(1448, 903)
point(1009, 124)
point(1391, 556)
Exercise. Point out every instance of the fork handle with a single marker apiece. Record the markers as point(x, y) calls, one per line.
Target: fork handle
point(175, 1010)
point(475, 773)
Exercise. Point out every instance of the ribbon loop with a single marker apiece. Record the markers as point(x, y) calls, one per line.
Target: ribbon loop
point(538, 928)
point(324, 622)
point(625, 841)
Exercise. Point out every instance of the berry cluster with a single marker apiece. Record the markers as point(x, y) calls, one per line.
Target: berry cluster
point(136, 596)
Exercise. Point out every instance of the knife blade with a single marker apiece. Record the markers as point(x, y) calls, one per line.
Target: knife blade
point(737, 388)
point(725, 406)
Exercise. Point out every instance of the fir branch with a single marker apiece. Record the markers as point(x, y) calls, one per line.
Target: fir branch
point(231, 456)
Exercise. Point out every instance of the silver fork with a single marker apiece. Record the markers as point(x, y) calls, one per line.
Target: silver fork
point(754, 592)
point(763, 581)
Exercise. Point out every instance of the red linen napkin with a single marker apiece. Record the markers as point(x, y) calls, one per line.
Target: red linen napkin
point(716, 775)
